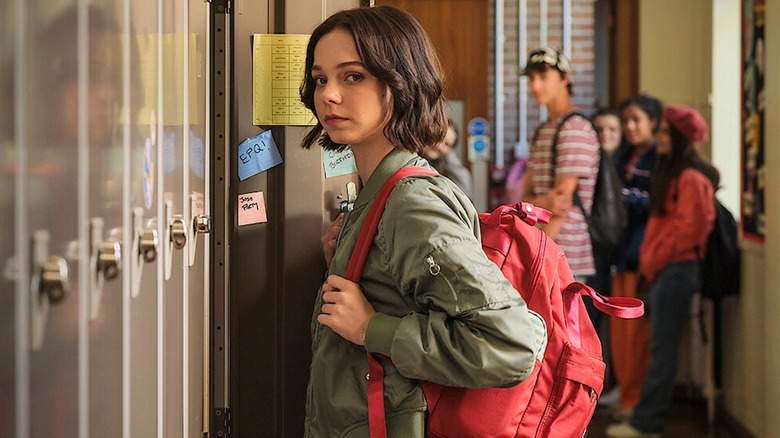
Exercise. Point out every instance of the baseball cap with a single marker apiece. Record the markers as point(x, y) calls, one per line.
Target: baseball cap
point(550, 56)
point(688, 121)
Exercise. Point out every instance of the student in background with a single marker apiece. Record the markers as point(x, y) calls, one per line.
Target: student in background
point(635, 161)
point(682, 204)
point(608, 126)
point(551, 183)
point(443, 158)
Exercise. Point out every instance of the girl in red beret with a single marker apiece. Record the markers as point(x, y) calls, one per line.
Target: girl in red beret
point(682, 213)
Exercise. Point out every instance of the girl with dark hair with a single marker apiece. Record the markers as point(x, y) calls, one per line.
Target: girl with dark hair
point(607, 122)
point(682, 204)
point(429, 299)
point(635, 160)
point(608, 127)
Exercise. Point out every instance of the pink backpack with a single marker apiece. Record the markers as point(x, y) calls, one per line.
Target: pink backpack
point(559, 397)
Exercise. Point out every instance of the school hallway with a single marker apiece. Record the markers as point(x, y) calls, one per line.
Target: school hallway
point(161, 231)
point(688, 419)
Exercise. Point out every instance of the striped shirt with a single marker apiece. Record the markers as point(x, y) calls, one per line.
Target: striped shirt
point(577, 156)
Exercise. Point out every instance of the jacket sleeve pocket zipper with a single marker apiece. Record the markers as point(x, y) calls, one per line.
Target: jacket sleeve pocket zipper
point(435, 269)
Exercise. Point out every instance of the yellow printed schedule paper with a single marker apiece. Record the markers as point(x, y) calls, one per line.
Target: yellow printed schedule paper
point(278, 64)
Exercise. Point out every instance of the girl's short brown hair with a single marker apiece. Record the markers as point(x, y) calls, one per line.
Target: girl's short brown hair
point(396, 50)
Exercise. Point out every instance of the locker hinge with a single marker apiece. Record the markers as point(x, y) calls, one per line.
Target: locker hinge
point(221, 423)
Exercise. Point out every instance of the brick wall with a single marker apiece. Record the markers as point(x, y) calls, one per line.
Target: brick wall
point(582, 57)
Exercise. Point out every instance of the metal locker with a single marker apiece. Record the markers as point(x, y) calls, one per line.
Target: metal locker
point(11, 266)
point(143, 345)
point(105, 199)
point(51, 140)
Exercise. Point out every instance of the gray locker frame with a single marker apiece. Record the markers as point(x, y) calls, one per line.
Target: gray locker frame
point(218, 31)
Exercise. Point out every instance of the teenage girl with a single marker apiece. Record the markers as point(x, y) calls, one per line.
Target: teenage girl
point(635, 160)
point(429, 299)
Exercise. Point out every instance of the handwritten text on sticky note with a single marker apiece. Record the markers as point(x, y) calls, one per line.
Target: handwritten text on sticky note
point(338, 163)
point(251, 208)
point(257, 154)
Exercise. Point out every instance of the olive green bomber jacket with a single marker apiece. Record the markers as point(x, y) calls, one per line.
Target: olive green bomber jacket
point(445, 313)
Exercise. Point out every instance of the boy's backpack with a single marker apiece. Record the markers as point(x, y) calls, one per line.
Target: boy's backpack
point(721, 265)
point(608, 218)
point(559, 397)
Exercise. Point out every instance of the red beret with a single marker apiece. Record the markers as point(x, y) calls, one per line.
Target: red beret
point(688, 121)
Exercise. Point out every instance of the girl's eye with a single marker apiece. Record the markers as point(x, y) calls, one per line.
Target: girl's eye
point(354, 77)
point(319, 81)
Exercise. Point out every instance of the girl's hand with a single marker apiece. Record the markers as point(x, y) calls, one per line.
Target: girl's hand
point(346, 310)
point(329, 239)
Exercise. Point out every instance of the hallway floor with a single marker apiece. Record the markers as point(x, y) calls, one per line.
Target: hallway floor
point(688, 420)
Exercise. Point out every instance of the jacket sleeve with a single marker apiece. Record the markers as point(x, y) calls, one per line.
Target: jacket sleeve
point(684, 229)
point(471, 328)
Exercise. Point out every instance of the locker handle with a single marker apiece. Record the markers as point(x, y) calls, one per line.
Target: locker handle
point(110, 259)
point(147, 244)
point(50, 284)
point(178, 231)
point(201, 224)
point(54, 279)
point(347, 205)
point(105, 263)
point(145, 248)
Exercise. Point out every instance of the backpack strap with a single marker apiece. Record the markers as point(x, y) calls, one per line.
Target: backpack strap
point(367, 232)
point(554, 149)
point(376, 388)
point(621, 307)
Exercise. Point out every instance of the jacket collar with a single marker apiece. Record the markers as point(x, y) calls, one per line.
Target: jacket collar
point(396, 159)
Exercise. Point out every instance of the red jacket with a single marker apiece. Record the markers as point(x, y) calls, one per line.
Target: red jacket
point(676, 236)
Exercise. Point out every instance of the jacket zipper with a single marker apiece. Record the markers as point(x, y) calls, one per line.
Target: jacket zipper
point(435, 269)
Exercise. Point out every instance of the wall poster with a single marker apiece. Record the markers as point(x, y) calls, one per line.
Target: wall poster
point(753, 164)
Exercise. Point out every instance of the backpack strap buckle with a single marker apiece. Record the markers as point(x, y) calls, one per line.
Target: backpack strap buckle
point(532, 214)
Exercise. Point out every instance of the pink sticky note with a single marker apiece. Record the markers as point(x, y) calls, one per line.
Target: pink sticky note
point(251, 208)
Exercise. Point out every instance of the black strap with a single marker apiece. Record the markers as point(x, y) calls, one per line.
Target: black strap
point(554, 148)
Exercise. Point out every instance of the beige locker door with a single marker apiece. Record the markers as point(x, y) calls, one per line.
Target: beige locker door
point(143, 414)
point(9, 184)
point(102, 171)
point(170, 138)
point(196, 208)
point(181, 133)
point(52, 210)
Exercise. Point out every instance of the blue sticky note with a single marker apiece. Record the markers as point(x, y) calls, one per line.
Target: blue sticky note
point(338, 163)
point(257, 154)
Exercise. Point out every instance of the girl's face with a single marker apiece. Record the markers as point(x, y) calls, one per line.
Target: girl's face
point(608, 128)
point(637, 126)
point(663, 139)
point(352, 105)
